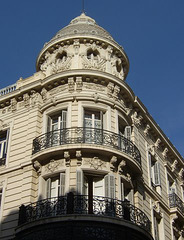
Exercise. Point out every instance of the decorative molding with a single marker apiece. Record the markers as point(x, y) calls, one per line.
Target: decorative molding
point(67, 159)
point(121, 166)
point(71, 84)
point(136, 119)
point(147, 129)
point(37, 167)
point(79, 158)
point(13, 104)
point(157, 143)
point(26, 100)
point(113, 163)
point(116, 92)
point(165, 152)
point(79, 84)
point(96, 163)
point(52, 166)
point(157, 208)
point(76, 46)
point(174, 165)
point(34, 97)
point(110, 89)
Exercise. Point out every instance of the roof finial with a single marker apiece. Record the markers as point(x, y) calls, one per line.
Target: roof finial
point(83, 11)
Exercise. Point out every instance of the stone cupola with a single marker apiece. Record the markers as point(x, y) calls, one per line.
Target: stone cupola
point(83, 44)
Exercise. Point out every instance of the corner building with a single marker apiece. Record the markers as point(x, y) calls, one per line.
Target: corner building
point(80, 156)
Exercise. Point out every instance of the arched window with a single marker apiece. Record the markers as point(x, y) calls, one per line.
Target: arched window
point(92, 54)
point(62, 56)
point(119, 65)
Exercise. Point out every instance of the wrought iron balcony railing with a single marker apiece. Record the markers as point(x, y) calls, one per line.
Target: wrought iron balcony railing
point(176, 202)
point(82, 205)
point(86, 135)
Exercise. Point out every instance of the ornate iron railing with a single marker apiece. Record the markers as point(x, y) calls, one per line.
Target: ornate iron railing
point(175, 201)
point(7, 90)
point(81, 204)
point(86, 135)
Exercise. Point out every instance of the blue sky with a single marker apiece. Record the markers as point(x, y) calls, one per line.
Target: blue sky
point(150, 31)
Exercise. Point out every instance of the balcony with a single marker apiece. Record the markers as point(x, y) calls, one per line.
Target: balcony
point(176, 203)
point(92, 136)
point(6, 90)
point(99, 212)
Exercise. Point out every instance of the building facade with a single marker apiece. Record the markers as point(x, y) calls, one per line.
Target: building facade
point(80, 156)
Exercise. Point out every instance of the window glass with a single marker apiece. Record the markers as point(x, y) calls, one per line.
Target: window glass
point(3, 146)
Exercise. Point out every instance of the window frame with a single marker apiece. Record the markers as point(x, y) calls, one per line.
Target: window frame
point(5, 144)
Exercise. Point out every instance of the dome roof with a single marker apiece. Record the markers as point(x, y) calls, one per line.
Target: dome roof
point(82, 25)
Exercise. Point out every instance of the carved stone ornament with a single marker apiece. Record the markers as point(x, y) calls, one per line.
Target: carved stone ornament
point(79, 158)
point(151, 149)
point(113, 163)
point(157, 208)
point(71, 84)
point(96, 163)
point(165, 152)
point(157, 143)
point(174, 165)
point(181, 174)
point(110, 89)
point(121, 166)
point(37, 167)
point(76, 46)
point(146, 130)
point(56, 61)
point(116, 92)
point(137, 119)
point(79, 84)
point(67, 159)
point(26, 100)
point(34, 97)
point(117, 68)
point(44, 94)
point(93, 62)
point(52, 166)
point(13, 104)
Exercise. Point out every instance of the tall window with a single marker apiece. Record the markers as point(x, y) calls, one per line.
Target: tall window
point(56, 128)
point(126, 192)
point(55, 186)
point(93, 119)
point(154, 171)
point(95, 185)
point(3, 146)
point(57, 121)
point(93, 124)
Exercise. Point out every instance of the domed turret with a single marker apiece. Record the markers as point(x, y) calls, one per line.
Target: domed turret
point(83, 44)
